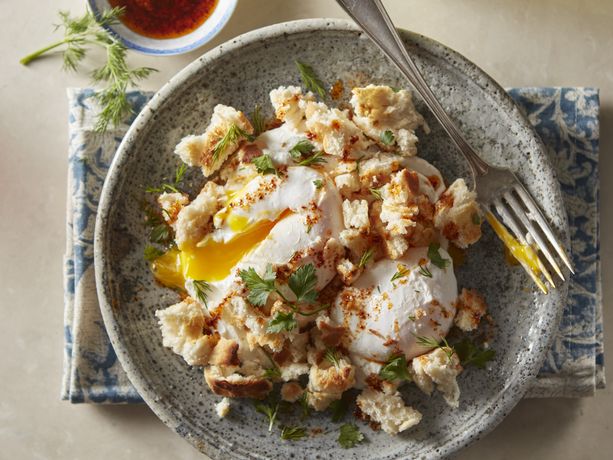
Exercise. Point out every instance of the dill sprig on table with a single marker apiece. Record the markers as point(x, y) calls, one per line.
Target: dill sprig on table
point(115, 76)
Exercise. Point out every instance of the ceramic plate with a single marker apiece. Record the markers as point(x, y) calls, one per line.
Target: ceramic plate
point(241, 73)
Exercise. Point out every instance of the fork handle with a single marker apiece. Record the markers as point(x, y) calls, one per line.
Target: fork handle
point(372, 17)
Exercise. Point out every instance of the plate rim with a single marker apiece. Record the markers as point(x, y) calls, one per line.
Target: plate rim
point(505, 402)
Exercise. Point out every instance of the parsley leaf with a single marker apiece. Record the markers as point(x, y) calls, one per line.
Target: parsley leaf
point(302, 283)
point(233, 135)
point(310, 80)
point(269, 410)
point(395, 369)
point(365, 257)
point(259, 286)
point(387, 137)
point(339, 408)
point(349, 435)
point(202, 289)
point(151, 253)
point(470, 354)
point(303, 147)
point(435, 257)
point(293, 433)
point(282, 322)
point(316, 158)
point(318, 183)
point(264, 164)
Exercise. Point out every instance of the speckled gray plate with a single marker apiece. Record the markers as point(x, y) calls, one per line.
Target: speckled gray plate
point(241, 73)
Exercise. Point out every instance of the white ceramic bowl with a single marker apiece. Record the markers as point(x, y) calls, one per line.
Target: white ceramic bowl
point(166, 47)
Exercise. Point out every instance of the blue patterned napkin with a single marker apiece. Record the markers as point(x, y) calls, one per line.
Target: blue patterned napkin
point(565, 118)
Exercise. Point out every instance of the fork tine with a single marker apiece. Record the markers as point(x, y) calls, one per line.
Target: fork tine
point(510, 221)
point(510, 241)
point(519, 212)
point(536, 214)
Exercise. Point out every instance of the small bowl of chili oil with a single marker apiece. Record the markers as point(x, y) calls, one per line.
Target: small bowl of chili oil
point(166, 27)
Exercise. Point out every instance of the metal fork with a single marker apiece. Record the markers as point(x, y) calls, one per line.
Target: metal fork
point(498, 189)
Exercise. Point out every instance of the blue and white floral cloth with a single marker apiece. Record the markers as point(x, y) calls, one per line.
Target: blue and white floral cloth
point(565, 118)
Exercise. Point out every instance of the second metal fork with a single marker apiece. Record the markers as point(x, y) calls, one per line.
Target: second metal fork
point(498, 189)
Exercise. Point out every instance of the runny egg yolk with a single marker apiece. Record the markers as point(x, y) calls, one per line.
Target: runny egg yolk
point(211, 260)
point(524, 253)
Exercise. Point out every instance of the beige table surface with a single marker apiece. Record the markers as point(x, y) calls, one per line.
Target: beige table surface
point(519, 43)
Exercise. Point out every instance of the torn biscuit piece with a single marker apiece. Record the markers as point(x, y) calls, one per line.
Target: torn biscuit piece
point(398, 210)
point(221, 138)
point(235, 385)
point(388, 117)
point(348, 271)
point(471, 307)
point(171, 204)
point(194, 220)
point(441, 366)
point(389, 410)
point(355, 215)
point(289, 103)
point(333, 131)
point(223, 407)
point(183, 326)
point(458, 216)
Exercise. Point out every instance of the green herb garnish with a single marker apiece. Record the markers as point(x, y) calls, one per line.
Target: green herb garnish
point(304, 404)
point(257, 121)
point(269, 410)
point(316, 158)
point(202, 289)
point(401, 273)
point(233, 135)
point(425, 271)
point(318, 183)
point(470, 354)
point(264, 164)
point(115, 75)
point(151, 253)
point(302, 148)
point(387, 137)
point(302, 283)
point(435, 257)
point(272, 373)
point(293, 433)
point(349, 435)
point(333, 357)
point(339, 408)
point(431, 342)
point(310, 80)
point(259, 286)
point(282, 322)
point(376, 192)
point(365, 257)
point(476, 218)
point(395, 369)
point(174, 187)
